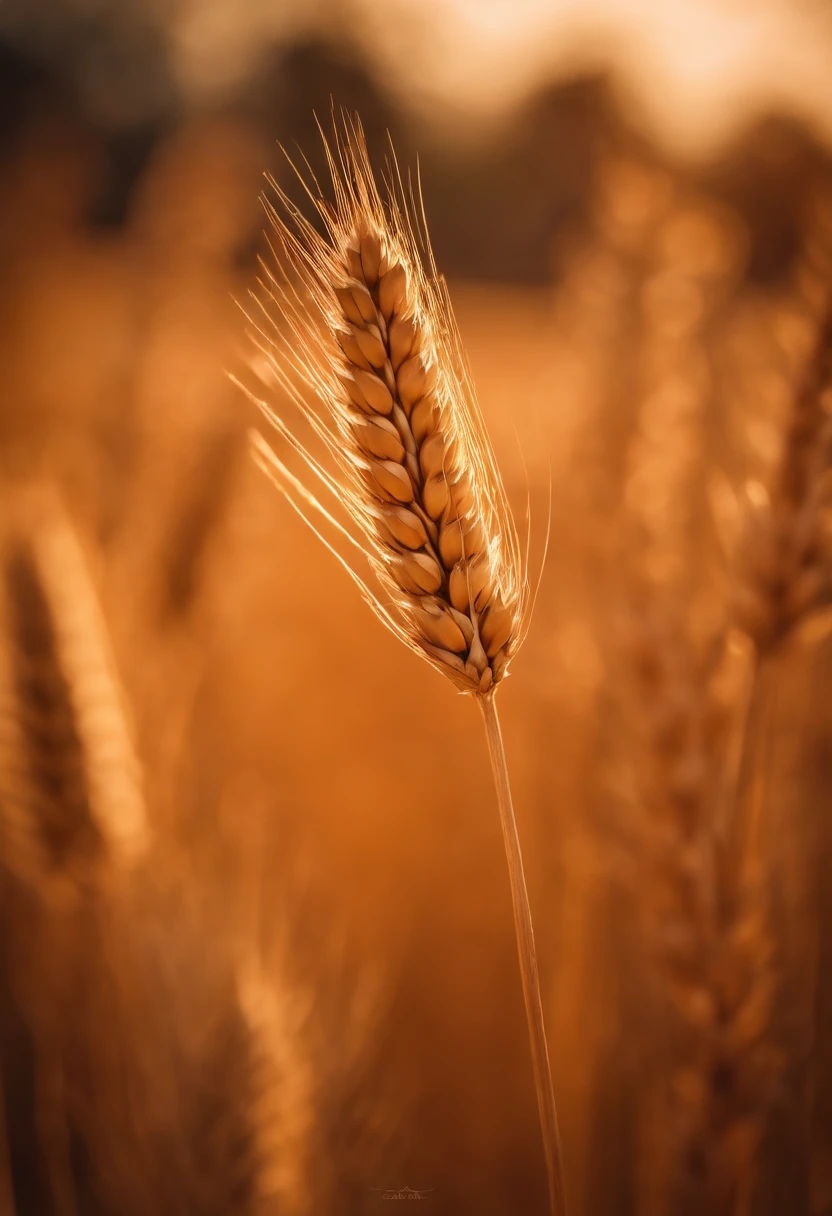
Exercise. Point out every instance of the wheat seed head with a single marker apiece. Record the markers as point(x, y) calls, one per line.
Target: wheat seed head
point(70, 781)
point(368, 349)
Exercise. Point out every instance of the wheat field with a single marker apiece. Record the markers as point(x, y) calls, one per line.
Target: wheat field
point(258, 952)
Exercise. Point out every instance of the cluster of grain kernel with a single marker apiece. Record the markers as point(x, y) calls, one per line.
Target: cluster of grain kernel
point(430, 529)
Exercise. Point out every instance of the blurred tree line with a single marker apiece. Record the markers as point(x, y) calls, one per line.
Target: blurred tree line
point(502, 208)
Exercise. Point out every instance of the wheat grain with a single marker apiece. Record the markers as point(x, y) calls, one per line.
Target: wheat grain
point(371, 336)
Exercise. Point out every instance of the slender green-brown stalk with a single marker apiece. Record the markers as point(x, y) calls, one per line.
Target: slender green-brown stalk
point(528, 958)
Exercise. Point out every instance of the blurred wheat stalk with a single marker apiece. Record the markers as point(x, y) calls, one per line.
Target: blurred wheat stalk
point(407, 462)
point(702, 675)
point(140, 1072)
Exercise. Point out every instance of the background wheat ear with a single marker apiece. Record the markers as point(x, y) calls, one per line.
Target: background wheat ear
point(784, 572)
point(783, 579)
point(72, 828)
point(70, 788)
point(366, 346)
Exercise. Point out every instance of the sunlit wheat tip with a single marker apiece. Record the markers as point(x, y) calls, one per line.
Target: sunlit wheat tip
point(367, 348)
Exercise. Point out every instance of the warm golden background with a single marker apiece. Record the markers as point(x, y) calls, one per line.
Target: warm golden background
point(257, 942)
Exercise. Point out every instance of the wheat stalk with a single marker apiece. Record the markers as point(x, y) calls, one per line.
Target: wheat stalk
point(784, 576)
point(72, 817)
point(689, 678)
point(407, 457)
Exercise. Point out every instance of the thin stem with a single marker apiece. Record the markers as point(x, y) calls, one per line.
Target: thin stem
point(528, 960)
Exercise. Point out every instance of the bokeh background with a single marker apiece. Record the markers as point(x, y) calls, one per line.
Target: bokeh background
point(313, 965)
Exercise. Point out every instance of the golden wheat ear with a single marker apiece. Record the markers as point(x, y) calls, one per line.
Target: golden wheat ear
point(70, 797)
point(362, 338)
point(369, 351)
